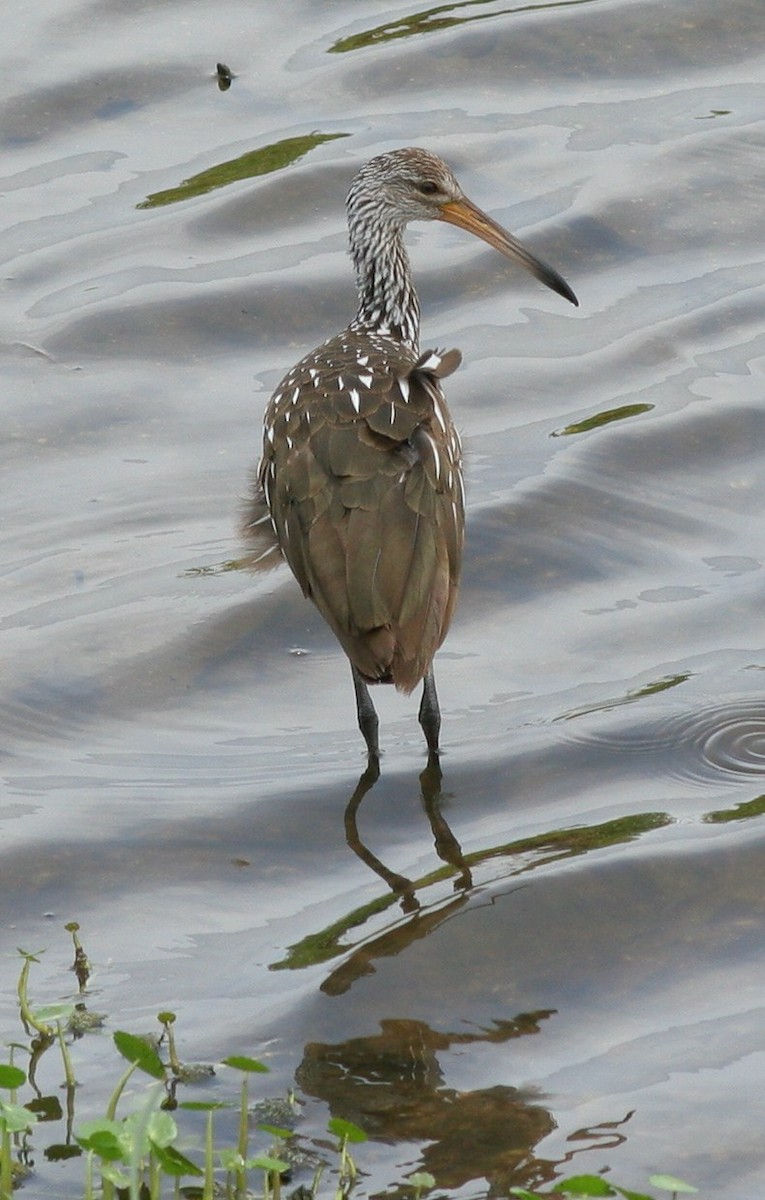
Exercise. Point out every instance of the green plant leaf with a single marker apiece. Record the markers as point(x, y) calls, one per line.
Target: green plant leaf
point(14, 1118)
point(276, 1131)
point(30, 956)
point(49, 1013)
point(584, 1185)
point(11, 1077)
point(346, 1129)
point(241, 1063)
point(161, 1130)
point(422, 1180)
point(103, 1137)
point(106, 1146)
point(231, 1160)
point(137, 1051)
point(668, 1183)
point(628, 1195)
point(174, 1163)
point(115, 1176)
point(263, 1162)
point(101, 1124)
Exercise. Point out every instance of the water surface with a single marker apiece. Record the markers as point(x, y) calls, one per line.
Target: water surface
point(559, 945)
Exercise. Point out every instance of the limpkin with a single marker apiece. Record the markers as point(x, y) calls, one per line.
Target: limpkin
point(361, 475)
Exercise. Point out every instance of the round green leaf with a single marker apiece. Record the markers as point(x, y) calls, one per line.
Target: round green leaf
point(106, 1146)
point(346, 1129)
point(137, 1051)
point(423, 1180)
point(231, 1160)
point(11, 1077)
point(48, 1013)
point(668, 1183)
point(263, 1162)
point(100, 1125)
point(115, 1176)
point(584, 1185)
point(14, 1118)
point(162, 1129)
point(102, 1137)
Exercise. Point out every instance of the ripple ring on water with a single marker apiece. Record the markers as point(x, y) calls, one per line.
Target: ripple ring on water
point(736, 743)
point(729, 738)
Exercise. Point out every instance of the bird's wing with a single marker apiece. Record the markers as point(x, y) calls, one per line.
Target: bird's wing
point(362, 474)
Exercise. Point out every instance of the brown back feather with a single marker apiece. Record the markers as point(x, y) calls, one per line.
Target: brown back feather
point(361, 473)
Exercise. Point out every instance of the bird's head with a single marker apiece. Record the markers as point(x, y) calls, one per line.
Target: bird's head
point(405, 185)
point(414, 185)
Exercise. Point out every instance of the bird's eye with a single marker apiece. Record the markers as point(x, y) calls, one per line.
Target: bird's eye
point(427, 187)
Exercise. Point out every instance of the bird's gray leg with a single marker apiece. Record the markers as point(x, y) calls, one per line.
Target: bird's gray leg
point(365, 710)
point(430, 713)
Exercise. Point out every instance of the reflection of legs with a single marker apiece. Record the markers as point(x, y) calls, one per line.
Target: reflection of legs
point(365, 711)
point(430, 713)
point(447, 847)
point(397, 883)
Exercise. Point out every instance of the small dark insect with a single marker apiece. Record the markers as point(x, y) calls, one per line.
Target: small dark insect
point(225, 76)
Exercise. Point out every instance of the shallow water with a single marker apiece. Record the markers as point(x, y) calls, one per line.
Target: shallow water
point(568, 929)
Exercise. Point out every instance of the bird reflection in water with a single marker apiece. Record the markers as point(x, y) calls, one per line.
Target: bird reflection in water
point(423, 916)
point(392, 1085)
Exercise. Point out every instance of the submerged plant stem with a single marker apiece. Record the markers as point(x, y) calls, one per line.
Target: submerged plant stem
point(242, 1141)
point(6, 1175)
point(27, 1016)
point(208, 1189)
point(71, 1082)
point(114, 1099)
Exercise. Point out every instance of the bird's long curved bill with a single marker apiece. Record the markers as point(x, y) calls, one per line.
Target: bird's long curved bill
point(468, 216)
